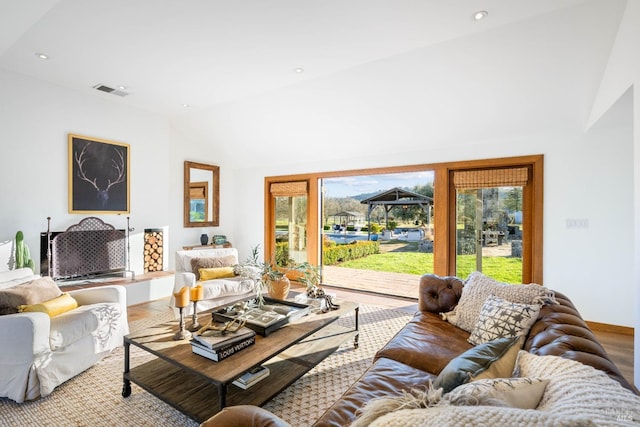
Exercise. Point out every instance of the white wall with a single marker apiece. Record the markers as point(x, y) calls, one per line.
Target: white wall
point(35, 119)
point(188, 145)
point(621, 80)
point(516, 90)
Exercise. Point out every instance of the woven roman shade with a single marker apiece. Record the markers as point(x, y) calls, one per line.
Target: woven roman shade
point(513, 177)
point(197, 192)
point(288, 189)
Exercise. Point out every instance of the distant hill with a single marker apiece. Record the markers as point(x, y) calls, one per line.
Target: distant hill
point(362, 196)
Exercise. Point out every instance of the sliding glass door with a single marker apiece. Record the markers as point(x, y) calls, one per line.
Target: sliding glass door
point(455, 218)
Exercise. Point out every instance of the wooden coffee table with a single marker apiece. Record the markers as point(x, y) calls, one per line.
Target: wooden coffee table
point(199, 387)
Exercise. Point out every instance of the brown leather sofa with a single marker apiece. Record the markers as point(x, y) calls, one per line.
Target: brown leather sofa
point(423, 347)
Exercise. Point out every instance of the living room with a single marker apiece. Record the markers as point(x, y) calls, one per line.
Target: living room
point(558, 81)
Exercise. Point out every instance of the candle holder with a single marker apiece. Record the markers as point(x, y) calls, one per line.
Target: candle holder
point(182, 333)
point(195, 325)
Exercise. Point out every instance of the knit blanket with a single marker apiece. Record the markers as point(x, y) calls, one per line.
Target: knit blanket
point(575, 395)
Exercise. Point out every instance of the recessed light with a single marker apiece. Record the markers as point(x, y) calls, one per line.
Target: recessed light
point(298, 70)
point(481, 14)
point(122, 87)
point(185, 105)
point(42, 55)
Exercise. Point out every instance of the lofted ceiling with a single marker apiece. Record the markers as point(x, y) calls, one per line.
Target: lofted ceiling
point(165, 54)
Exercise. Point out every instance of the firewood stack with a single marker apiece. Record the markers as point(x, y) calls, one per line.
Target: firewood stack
point(152, 250)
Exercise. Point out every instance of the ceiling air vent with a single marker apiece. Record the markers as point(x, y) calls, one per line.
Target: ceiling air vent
point(104, 88)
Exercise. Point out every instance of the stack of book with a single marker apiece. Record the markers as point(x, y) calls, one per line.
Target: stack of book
point(215, 346)
point(251, 377)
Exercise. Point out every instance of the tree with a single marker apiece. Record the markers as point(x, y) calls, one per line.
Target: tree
point(513, 200)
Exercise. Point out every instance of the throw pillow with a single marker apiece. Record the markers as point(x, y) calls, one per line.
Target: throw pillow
point(476, 363)
point(477, 289)
point(32, 292)
point(499, 318)
point(53, 307)
point(211, 262)
point(216, 273)
point(523, 393)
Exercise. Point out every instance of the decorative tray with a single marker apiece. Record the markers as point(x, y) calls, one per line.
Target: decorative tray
point(273, 315)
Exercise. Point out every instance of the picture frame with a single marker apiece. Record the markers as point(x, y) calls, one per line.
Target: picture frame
point(99, 176)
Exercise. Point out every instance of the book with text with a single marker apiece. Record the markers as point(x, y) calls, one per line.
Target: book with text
point(224, 352)
point(215, 340)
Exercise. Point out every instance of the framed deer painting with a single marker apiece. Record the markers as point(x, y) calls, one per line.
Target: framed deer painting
point(98, 175)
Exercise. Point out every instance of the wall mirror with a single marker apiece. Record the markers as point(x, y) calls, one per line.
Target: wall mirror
point(201, 195)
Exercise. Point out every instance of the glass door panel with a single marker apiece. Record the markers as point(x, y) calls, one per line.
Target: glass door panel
point(489, 232)
point(290, 230)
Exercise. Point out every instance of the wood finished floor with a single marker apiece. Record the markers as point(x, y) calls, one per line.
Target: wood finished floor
point(618, 346)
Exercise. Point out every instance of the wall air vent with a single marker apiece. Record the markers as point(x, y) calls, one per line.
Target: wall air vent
point(107, 89)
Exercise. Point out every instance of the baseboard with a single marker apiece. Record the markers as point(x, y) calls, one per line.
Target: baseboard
point(614, 329)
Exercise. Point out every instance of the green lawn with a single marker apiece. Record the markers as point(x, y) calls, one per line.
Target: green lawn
point(504, 269)
point(395, 262)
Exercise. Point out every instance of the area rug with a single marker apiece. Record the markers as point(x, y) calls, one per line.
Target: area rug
point(94, 398)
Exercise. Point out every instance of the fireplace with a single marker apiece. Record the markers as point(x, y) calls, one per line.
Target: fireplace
point(85, 250)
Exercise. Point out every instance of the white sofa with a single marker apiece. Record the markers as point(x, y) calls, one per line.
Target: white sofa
point(217, 292)
point(39, 353)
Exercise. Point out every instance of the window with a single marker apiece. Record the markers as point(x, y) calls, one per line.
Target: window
point(489, 219)
point(481, 211)
point(289, 232)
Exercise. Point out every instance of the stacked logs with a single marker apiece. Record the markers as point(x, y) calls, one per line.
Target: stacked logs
point(152, 250)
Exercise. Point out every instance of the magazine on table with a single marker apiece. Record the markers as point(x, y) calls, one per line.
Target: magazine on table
point(225, 351)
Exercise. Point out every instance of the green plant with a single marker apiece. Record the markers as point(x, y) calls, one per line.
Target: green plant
point(334, 254)
point(23, 257)
point(375, 228)
point(262, 273)
point(309, 275)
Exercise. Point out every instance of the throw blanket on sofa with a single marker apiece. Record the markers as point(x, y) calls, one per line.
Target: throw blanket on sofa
point(575, 395)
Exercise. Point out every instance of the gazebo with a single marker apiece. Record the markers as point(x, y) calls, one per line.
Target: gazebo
point(397, 197)
point(347, 217)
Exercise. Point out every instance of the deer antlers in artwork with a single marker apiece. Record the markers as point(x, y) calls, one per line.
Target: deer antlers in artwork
point(118, 164)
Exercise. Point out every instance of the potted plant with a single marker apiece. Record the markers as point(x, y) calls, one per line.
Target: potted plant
point(266, 275)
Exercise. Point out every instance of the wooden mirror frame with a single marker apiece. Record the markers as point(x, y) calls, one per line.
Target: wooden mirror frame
point(212, 207)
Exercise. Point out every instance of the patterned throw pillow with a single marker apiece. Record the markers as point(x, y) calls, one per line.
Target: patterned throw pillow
point(523, 393)
point(500, 318)
point(477, 289)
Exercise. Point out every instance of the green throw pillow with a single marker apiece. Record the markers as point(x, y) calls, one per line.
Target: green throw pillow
point(476, 360)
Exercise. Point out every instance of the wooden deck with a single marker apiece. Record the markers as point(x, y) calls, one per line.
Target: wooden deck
point(380, 282)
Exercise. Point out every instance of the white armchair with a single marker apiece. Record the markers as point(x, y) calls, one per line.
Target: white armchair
point(39, 353)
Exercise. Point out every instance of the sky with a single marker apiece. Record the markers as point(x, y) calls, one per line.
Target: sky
point(353, 185)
